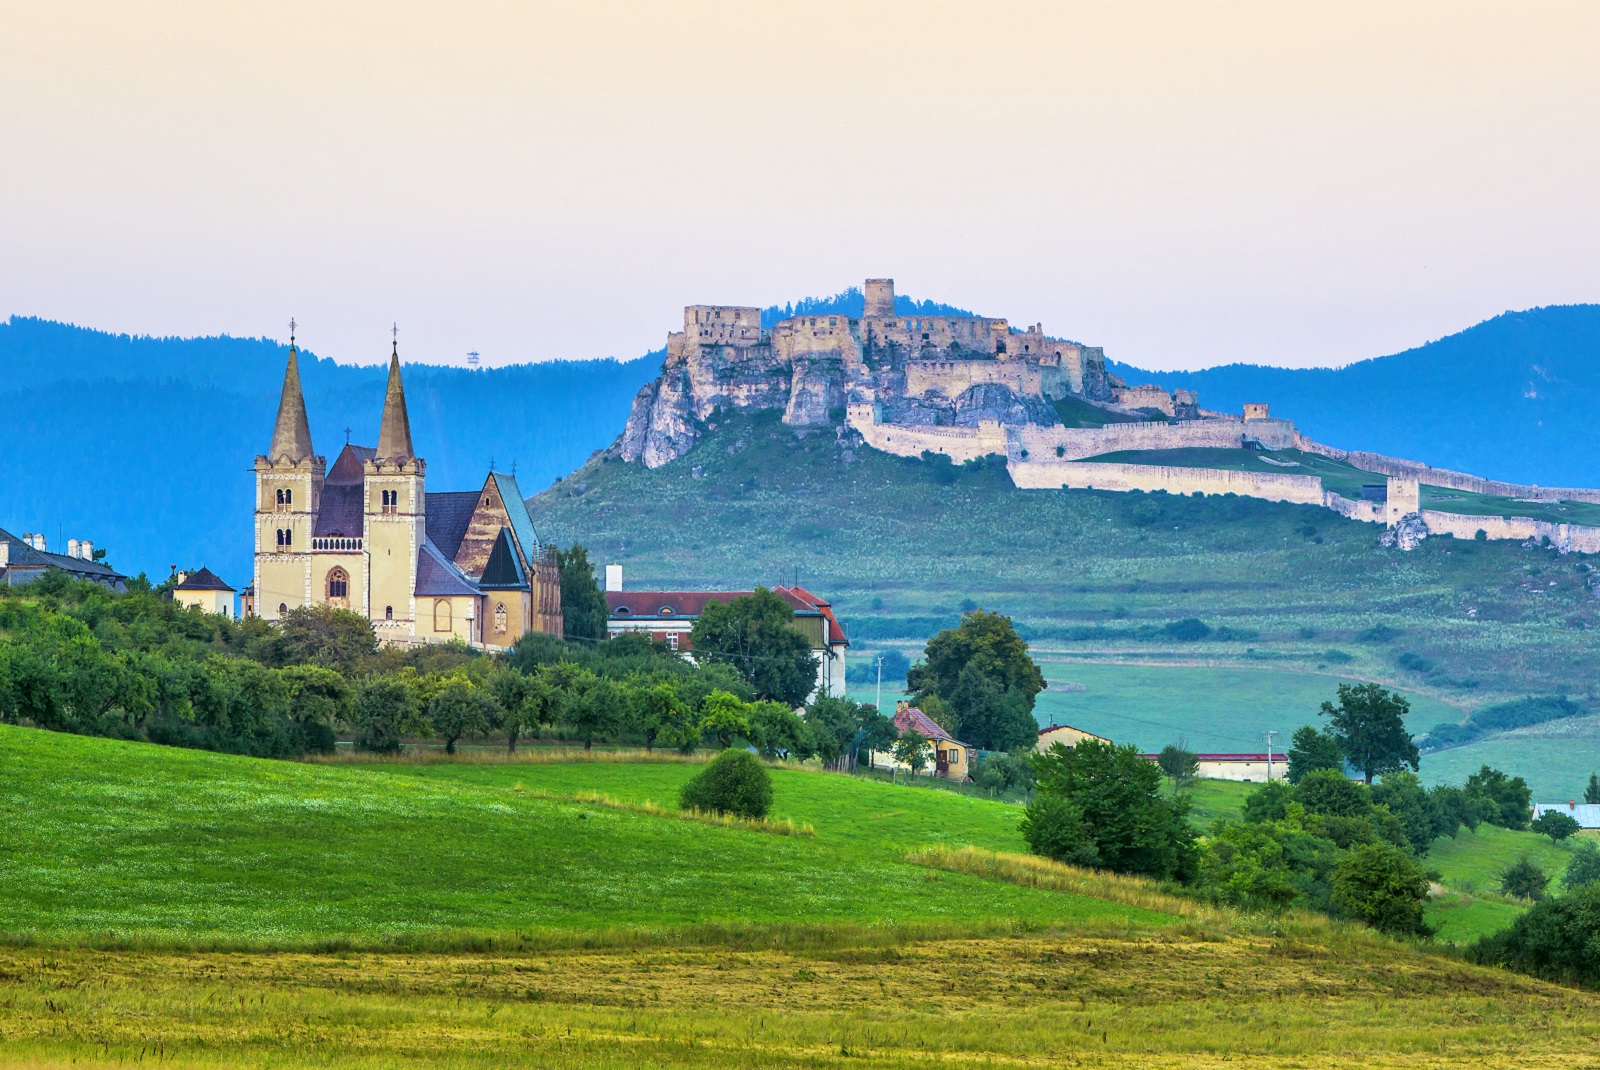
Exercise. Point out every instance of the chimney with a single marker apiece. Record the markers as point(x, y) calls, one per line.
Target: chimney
point(182, 576)
point(72, 547)
point(38, 542)
point(5, 553)
point(86, 548)
point(613, 577)
point(1572, 804)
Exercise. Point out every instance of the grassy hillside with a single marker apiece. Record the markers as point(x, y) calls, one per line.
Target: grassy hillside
point(568, 934)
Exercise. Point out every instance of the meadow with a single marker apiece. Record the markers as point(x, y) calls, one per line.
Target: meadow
point(195, 909)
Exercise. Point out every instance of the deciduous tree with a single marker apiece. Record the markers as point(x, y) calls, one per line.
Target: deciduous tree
point(1369, 724)
point(755, 634)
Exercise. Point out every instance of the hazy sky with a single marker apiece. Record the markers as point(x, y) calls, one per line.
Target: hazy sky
point(1183, 183)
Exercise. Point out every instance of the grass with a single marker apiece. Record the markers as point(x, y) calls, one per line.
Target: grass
point(1555, 758)
point(1447, 500)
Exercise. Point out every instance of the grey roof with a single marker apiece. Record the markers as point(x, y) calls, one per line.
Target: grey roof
point(342, 511)
point(202, 580)
point(517, 512)
point(1587, 815)
point(449, 512)
point(350, 466)
point(504, 569)
point(21, 555)
point(437, 575)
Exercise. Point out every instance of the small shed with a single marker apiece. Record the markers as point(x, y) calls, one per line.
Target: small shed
point(204, 589)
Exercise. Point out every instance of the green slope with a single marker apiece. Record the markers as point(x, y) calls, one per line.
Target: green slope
point(153, 843)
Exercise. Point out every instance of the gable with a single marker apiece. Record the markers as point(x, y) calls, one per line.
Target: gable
point(504, 569)
point(489, 518)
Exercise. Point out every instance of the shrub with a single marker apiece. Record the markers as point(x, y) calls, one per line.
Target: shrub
point(1584, 867)
point(1330, 793)
point(1558, 939)
point(1379, 884)
point(1556, 825)
point(1524, 880)
point(735, 783)
point(1055, 828)
point(1187, 630)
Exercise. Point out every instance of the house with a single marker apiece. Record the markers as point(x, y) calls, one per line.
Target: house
point(1249, 768)
point(367, 535)
point(668, 617)
point(1053, 733)
point(1587, 815)
point(948, 757)
point(24, 559)
point(203, 589)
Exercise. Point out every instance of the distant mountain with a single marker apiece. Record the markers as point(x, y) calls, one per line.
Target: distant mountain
point(144, 445)
point(1514, 398)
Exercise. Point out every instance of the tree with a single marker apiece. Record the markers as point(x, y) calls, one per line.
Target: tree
point(1332, 794)
point(1556, 825)
point(912, 750)
point(877, 732)
point(1269, 802)
point(596, 708)
point(1055, 828)
point(1310, 749)
point(323, 635)
point(724, 718)
point(1504, 801)
point(985, 640)
point(387, 710)
point(460, 708)
point(1524, 880)
point(1369, 725)
point(526, 701)
point(834, 724)
point(584, 610)
point(1379, 884)
point(1591, 794)
point(1132, 828)
point(1178, 762)
point(778, 732)
point(756, 635)
point(662, 717)
point(1407, 800)
point(1584, 867)
point(1557, 939)
point(735, 782)
point(1002, 772)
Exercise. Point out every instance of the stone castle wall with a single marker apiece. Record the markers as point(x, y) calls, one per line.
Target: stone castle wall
point(960, 444)
point(1097, 475)
point(1444, 477)
point(1076, 443)
point(1577, 538)
point(952, 377)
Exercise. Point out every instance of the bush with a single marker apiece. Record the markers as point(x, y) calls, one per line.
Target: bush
point(1187, 630)
point(1558, 939)
point(1556, 825)
point(1524, 880)
point(1055, 828)
point(735, 783)
point(1584, 867)
point(1379, 884)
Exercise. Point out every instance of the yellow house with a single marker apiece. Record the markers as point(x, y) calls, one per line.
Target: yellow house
point(1061, 733)
point(948, 757)
point(203, 589)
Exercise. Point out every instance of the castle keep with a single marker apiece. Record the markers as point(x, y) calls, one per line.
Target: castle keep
point(368, 536)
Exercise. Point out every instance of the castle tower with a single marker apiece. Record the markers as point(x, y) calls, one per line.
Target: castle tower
point(880, 297)
point(289, 479)
point(394, 514)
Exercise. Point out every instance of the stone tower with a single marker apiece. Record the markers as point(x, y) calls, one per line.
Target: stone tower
point(289, 480)
point(880, 297)
point(394, 513)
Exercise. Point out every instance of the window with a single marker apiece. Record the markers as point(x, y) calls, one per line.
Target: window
point(390, 501)
point(666, 611)
point(288, 495)
point(388, 613)
point(441, 614)
point(623, 611)
point(339, 588)
point(280, 538)
point(285, 539)
point(672, 640)
point(500, 623)
point(283, 607)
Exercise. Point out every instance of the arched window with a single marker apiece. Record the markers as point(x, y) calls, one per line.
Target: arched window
point(280, 538)
point(500, 623)
point(283, 607)
point(388, 613)
point(441, 614)
point(339, 588)
point(288, 495)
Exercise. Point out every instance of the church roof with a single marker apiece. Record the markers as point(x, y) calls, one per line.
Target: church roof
point(291, 434)
point(449, 512)
point(517, 512)
point(342, 510)
point(504, 569)
point(349, 467)
point(394, 432)
point(202, 580)
point(438, 576)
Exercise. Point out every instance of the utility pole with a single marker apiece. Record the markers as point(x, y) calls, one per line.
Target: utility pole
point(880, 684)
point(1269, 736)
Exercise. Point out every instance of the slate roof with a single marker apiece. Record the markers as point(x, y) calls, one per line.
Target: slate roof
point(504, 569)
point(202, 580)
point(24, 556)
point(449, 512)
point(342, 510)
point(437, 575)
point(517, 512)
point(348, 468)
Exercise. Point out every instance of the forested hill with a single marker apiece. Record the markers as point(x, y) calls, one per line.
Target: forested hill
point(144, 445)
point(1514, 398)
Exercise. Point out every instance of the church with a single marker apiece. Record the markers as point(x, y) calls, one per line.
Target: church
point(366, 535)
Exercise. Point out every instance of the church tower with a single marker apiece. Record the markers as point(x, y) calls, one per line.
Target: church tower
point(395, 510)
point(289, 479)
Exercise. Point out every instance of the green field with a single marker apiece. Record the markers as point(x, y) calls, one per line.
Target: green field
point(200, 910)
point(1447, 500)
point(902, 546)
point(1555, 758)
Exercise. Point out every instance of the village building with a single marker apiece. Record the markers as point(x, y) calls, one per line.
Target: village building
point(947, 756)
point(367, 535)
point(1248, 768)
point(668, 617)
point(1053, 733)
point(25, 558)
point(204, 589)
point(1587, 815)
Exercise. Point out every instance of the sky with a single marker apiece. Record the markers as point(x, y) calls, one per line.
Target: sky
point(1183, 183)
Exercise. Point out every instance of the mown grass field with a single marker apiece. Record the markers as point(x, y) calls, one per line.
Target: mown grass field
point(200, 910)
point(902, 547)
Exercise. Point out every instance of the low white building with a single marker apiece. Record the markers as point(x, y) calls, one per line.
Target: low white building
point(1249, 768)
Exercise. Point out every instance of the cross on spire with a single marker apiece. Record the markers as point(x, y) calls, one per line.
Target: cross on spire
point(396, 333)
point(347, 435)
point(292, 326)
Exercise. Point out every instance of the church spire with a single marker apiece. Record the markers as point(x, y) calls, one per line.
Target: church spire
point(291, 435)
point(394, 433)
